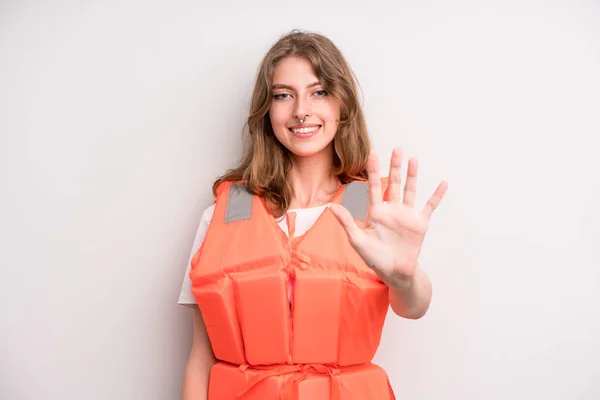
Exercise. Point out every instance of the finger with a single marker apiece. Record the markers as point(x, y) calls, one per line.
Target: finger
point(395, 177)
point(375, 195)
point(435, 199)
point(347, 221)
point(410, 188)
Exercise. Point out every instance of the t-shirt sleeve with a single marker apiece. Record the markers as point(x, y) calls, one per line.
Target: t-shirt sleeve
point(185, 296)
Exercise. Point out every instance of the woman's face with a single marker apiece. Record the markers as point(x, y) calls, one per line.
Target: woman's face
point(298, 94)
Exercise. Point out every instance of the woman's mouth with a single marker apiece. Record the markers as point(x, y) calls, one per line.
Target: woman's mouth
point(305, 132)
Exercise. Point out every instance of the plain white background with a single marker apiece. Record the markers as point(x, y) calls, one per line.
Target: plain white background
point(116, 116)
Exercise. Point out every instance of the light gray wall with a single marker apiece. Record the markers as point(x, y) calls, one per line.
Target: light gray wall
point(116, 116)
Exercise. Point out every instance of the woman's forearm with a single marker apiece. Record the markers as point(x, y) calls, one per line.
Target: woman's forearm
point(410, 298)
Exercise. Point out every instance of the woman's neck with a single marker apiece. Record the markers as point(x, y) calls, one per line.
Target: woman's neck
point(311, 181)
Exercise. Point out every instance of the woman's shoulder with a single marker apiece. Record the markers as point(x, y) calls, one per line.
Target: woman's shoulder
point(224, 185)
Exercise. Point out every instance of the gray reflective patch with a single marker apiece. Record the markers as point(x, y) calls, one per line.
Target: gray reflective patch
point(239, 203)
point(356, 199)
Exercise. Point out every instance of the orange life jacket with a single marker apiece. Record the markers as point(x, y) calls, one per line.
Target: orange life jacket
point(317, 346)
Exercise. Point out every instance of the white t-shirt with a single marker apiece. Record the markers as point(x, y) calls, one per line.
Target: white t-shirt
point(305, 218)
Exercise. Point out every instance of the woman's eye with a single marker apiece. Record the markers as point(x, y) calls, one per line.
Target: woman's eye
point(280, 96)
point(321, 93)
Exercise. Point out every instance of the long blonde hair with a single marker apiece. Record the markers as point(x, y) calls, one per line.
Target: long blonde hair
point(265, 161)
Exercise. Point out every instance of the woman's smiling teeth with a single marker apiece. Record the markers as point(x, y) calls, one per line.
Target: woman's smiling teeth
point(304, 130)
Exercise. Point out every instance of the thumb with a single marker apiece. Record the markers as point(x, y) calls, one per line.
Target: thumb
point(347, 221)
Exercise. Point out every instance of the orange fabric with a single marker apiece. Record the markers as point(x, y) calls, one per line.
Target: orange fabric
point(293, 382)
point(289, 388)
point(310, 345)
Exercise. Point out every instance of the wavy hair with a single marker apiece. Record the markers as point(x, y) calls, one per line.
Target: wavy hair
point(265, 162)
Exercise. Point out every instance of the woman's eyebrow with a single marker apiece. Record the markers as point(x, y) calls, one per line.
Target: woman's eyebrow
point(283, 86)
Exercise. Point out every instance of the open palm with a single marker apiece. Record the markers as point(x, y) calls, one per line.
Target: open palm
point(390, 241)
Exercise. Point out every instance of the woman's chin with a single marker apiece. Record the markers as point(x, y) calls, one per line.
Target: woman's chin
point(307, 150)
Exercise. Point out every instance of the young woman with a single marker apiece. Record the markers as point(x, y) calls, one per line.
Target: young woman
point(296, 263)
